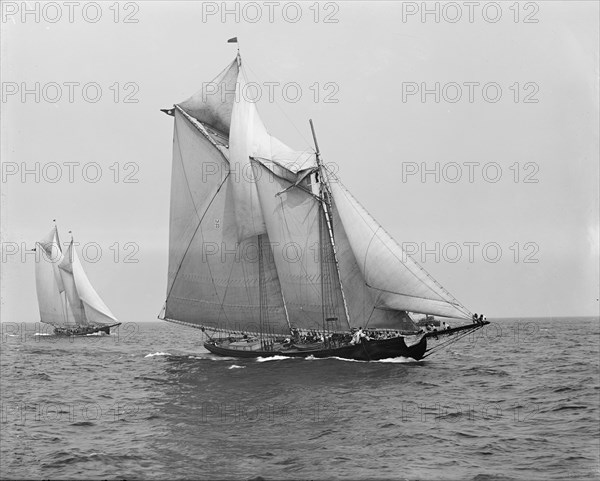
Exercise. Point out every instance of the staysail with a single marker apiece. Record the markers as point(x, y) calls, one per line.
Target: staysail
point(258, 230)
point(392, 276)
point(96, 311)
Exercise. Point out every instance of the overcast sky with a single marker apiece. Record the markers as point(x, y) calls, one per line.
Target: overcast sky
point(500, 106)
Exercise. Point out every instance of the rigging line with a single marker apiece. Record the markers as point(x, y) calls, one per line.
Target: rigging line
point(243, 69)
point(458, 304)
point(449, 342)
point(370, 315)
point(223, 71)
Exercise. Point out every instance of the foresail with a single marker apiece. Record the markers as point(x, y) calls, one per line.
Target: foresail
point(292, 216)
point(76, 307)
point(397, 282)
point(48, 283)
point(213, 278)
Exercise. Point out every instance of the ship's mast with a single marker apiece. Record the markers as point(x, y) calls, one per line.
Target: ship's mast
point(265, 330)
point(325, 196)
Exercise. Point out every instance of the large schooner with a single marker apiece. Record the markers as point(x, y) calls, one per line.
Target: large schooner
point(269, 253)
point(66, 298)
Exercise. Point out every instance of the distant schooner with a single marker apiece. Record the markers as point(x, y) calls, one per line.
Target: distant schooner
point(66, 298)
point(271, 252)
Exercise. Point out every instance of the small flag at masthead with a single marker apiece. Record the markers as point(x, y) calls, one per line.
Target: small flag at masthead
point(232, 40)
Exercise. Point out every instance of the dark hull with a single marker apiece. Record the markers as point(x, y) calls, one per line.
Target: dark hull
point(366, 351)
point(83, 332)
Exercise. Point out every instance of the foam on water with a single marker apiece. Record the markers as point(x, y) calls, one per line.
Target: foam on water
point(272, 358)
point(398, 360)
point(158, 354)
point(391, 360)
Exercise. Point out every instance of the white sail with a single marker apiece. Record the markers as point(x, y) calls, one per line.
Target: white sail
point(224, 104)
point(213, 104)
point(246, 131)
point(216, 216)
point(49, 285)
point(397, 281)
point(72, 296)
point(363, 306)
point(96, 311)
point(86, 306)
point(213, 278)
point(292, 216)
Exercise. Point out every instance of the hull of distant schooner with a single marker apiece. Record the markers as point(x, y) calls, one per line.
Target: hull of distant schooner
point(84, 331)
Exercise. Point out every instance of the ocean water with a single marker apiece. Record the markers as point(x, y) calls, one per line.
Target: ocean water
point(518, 400)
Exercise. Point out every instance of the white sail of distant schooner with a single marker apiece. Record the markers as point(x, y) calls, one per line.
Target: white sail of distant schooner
point(66, 298)
point(268, 248)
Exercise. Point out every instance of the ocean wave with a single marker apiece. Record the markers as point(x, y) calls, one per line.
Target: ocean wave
point(211, 357)
point(235, 366)
point(398, 360)
point(391, 360)
point(272, 358)
point(158, 354)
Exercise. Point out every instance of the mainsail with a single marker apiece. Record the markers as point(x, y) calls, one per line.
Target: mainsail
point(264, 239)
point(65, 295)
point(49, 285)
